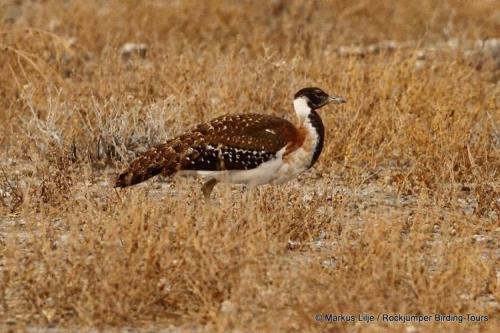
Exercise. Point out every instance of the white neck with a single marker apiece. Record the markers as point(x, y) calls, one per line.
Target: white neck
point(301, 108)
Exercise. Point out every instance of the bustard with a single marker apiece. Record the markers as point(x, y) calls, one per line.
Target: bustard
point(251, 149)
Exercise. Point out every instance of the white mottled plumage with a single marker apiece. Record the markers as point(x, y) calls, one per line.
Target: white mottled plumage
point(263, 174)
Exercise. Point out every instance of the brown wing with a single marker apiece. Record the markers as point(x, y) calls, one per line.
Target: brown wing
point(237, 142)
point(250, 132)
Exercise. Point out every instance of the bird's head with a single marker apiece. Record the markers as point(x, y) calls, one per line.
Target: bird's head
point(312, 98)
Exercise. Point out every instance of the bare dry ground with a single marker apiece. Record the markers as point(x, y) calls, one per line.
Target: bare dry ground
point(400, 215)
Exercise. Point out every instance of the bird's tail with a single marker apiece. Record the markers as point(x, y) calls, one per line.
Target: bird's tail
point(160, 159)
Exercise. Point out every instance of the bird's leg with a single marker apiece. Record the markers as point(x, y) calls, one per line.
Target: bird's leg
point(208, 187)
point(247, 194)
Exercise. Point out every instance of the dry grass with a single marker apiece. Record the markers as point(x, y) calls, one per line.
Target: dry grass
point(401, 214)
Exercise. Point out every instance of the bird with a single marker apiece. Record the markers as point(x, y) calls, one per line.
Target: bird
point(251, 149)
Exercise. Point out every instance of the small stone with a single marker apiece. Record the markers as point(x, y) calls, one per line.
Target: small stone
point(479, 238)
point(130, 49)
point(227, 307)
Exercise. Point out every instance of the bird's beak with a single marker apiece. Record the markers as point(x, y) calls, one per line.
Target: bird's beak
point(336, 99)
